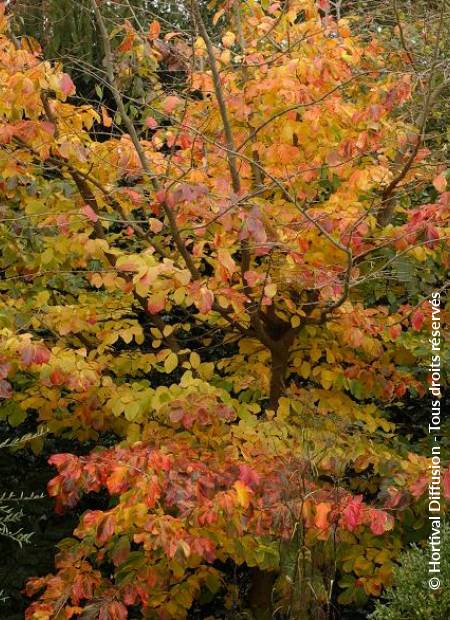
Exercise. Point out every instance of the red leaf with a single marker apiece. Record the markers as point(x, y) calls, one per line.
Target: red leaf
point(417, 320)
point(446, 483)
point(57, 377)
point(34, 354)
point(105, 529)
point(395, 331)
point(113, 611)
point(61, 460)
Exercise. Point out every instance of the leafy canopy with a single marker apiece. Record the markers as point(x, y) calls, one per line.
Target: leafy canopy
point(236, 288)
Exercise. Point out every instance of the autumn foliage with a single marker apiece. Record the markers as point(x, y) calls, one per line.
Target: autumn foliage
point(217, 280)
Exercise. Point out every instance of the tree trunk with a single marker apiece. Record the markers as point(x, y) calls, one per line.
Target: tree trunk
point(260, 595)
point(280, 356)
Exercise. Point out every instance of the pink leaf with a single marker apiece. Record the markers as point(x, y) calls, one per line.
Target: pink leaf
point(352, 513)
point(6, 134)
point(5, 367)
point(155, 304)
point(63, 224)
point(90, 213)
point(5, 389)
point(380, 521)
point(66, 85)
point(155, 225)
point(432, 234)
point(252, 277)
point(133, 195)
point(324, 5)
point(205, 300)
point(171, 103)
point(249, 476)
point(151, 123)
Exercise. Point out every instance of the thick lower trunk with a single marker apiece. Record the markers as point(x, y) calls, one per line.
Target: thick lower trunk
point(260, 595)
point(280, 358)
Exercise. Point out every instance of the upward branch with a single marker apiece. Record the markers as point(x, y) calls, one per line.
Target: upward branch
point(432, 93)
point(218, 90)
point(170, 214)
point(109, 65)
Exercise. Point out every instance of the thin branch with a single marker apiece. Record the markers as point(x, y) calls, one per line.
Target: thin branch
point(232, 163)
point(387, 202)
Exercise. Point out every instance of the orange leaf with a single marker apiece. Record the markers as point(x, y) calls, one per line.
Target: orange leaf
point(322, 511)
point(106, 119)
point(440, 182)
point(154, 30)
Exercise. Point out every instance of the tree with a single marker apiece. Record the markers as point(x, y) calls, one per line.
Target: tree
point(236, 287)
point(67, 31)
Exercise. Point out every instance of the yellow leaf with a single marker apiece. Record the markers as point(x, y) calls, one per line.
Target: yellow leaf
point(363, 566)
point(243, 493)
point(225, 57)
point(168, 329)
point(207, 371)
point(178, 295)
point(270, 290)
point(171, 362)
point(305, 369)
point(295, 321)
point(228, 39)
point(327, 378)
point(47, 256)
point(42, 298)
point(194, 360)
point(131, 411)
point(315, 354)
